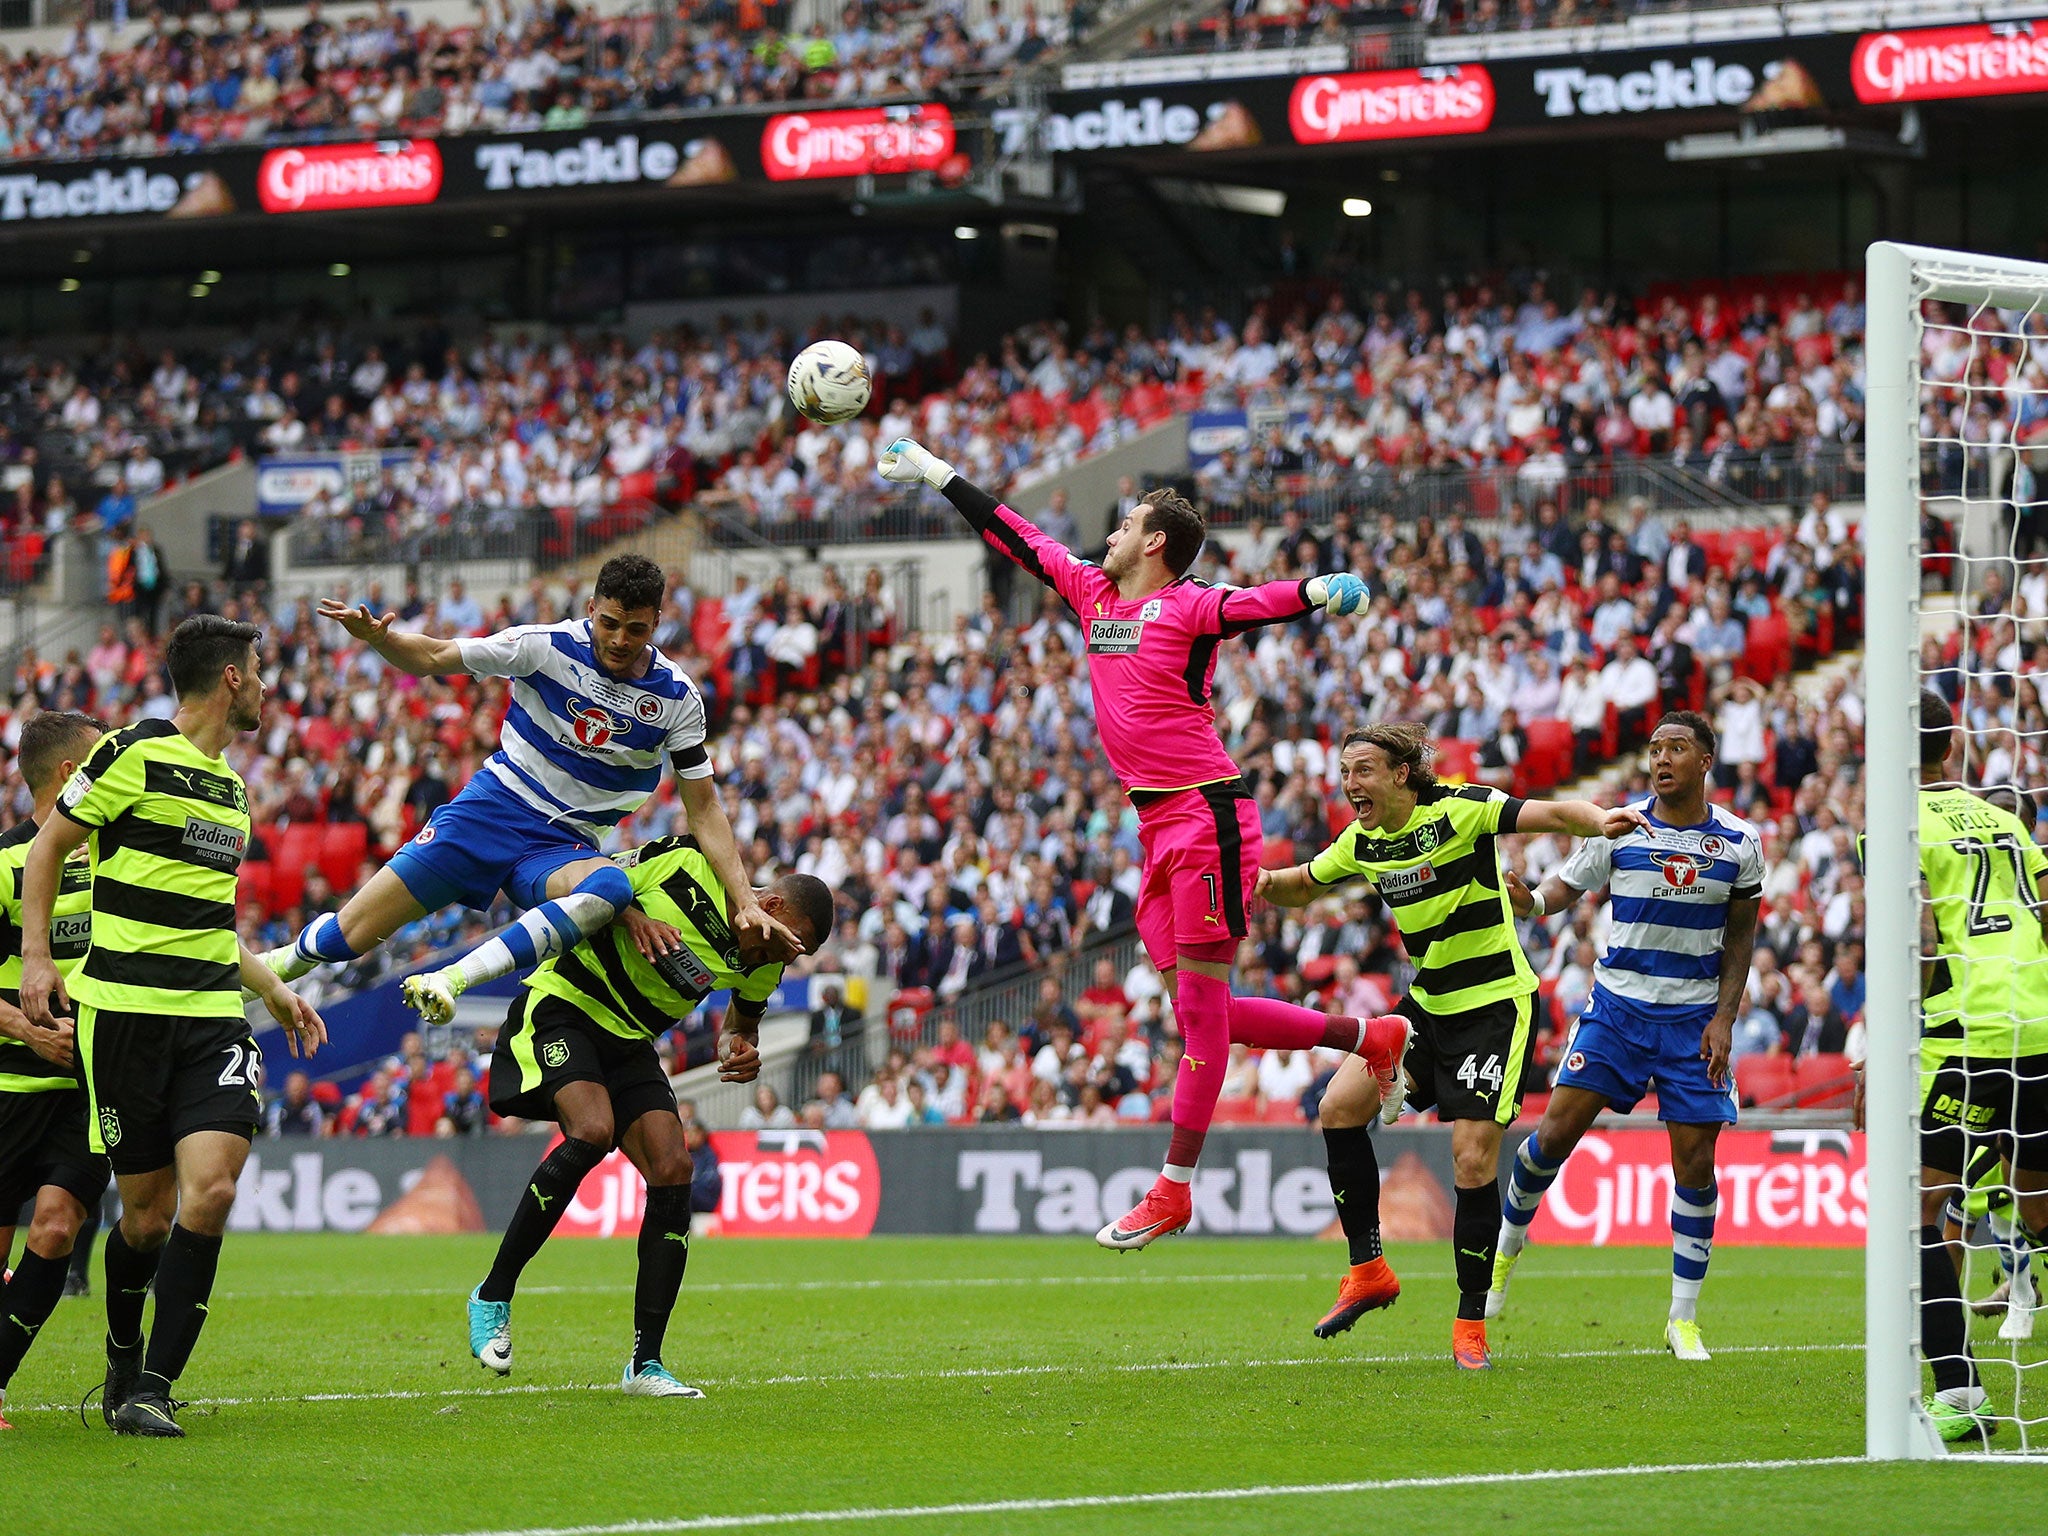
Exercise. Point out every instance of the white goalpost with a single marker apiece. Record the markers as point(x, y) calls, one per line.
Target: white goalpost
point(1942, 440)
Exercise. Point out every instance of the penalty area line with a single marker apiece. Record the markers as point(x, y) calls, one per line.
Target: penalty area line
point(1136, 1500)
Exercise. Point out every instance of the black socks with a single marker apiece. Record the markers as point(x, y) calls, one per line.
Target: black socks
point(184, 1286)
point(548, 1194)
point(664, 1253)
point(1355, 1185)
point(26, 1304)
point(129, 1273)
point(1475, 1233)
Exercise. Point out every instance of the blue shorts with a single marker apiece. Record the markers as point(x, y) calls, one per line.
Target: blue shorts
point(1622, 1051)
point(484, 841)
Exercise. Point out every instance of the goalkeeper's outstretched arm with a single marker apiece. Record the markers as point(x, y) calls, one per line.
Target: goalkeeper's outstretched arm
point(1007, 532)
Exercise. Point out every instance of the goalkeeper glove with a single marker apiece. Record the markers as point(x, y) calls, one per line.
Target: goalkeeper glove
point(906, 464)
point(1339, 595)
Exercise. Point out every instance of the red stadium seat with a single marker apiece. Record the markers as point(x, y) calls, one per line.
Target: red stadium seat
point(1278, 853)
point(1761, 1079)
point(342, 851)
point(252, 883)
point(1236, 1112)
point(1825, 1081)
point(1456, 760)
point(1283, 1112)
point(1550, 743)
point(297, 849)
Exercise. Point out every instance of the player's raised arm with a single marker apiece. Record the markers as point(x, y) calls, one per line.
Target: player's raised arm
point(417, 654)
point(1015, 537)
point(708, 824)
point(1576, 818)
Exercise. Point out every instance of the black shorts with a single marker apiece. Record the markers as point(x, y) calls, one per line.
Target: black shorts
point(547, 1042)
point(156, 1079)
point(1472, 1065)
point(43, 1141)
point(1970, 1097)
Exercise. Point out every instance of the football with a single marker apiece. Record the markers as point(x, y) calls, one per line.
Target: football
point(828, 382)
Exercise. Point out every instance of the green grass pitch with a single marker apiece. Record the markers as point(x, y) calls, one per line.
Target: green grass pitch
point(333, 1392)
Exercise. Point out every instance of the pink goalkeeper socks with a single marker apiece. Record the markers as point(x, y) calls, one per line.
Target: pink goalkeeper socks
point(1203, 1011)
point(1268, 1024)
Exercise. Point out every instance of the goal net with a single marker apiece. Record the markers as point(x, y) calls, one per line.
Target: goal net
point(1956, 543)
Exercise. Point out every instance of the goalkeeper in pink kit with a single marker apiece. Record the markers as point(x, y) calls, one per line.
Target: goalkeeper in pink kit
point(1152, 635)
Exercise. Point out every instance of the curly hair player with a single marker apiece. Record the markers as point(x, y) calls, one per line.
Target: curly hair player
point(1430, 851)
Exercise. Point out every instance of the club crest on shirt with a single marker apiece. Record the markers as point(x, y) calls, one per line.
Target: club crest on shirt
point(1114, 637)
point(1151, 610)
point(1713, 845)
point(555, 1052)
point(1426, 837)
point(648, 709)
point(110, 1126)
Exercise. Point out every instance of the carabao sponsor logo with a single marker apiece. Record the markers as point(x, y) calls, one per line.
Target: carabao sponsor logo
point(1022, 1192)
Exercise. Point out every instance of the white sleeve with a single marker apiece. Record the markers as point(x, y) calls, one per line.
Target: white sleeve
point(1749, 869)
point(513, 652)
point(1590, 866)
point(686, 747)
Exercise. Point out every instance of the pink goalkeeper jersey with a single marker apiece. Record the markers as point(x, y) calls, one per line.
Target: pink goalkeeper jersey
point(1150, 661)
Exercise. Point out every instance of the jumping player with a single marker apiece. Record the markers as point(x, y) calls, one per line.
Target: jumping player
point(594, 708)
point(45, 1152)
point(1152, 639)
point(1430, 851)
point(578, 1048)
point(1685, 892)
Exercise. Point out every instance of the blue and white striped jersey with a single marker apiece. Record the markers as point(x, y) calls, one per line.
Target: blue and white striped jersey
point(1669, 889)
point(582, 747)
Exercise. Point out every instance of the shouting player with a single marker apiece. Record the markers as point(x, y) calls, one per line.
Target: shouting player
point(1430, 851)
point(1685, 892)
point(1984, 1042)
point(45, 1152)
point(594, 709)
point(578, 1049)
point(1152, 639)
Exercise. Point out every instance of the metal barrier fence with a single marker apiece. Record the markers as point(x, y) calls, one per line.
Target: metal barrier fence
point(1735, 490)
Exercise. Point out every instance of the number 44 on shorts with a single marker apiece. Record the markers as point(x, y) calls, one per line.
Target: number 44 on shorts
point(1471, 1073)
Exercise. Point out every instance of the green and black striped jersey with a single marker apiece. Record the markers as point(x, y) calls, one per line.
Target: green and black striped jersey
point(607, 978)
point(21, 1069)
point(169, 826)
point(1441, 875)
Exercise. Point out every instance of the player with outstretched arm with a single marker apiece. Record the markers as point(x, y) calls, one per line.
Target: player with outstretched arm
point(1152, 637)
point(1685, 891)
point(1431, 852)
point(595, 708)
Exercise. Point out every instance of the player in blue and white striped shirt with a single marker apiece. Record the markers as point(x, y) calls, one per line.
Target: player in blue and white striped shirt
point(1683, 898)
point(595, 708)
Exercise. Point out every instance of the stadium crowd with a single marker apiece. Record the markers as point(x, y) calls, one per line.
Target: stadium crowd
point(186, 83)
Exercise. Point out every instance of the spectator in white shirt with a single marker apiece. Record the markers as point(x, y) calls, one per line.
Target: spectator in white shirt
point(1630, 682)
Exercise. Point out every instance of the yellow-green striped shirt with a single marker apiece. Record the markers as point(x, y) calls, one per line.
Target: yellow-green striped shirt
point(21, 1069)
point(169, 826)
point(1441, 875)
point(606, 977)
